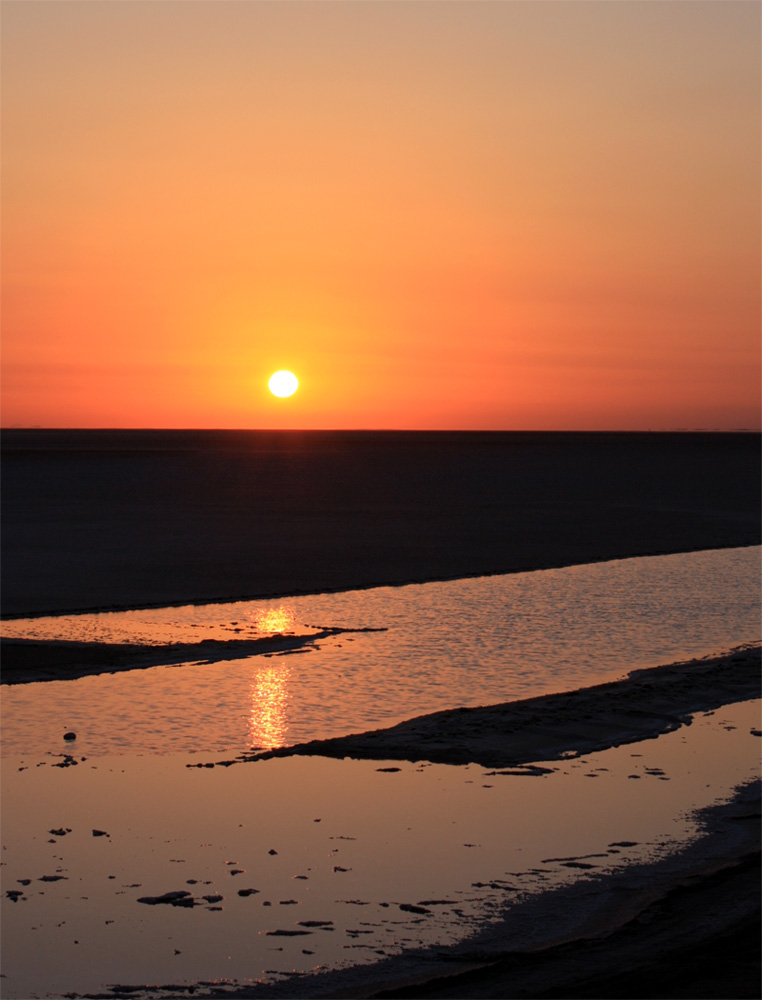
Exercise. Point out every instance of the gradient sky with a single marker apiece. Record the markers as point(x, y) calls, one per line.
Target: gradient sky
point(529, 215)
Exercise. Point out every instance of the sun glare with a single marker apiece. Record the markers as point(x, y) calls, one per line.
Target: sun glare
point(283, 383)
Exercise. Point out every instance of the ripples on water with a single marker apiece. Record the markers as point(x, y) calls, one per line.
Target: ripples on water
point(462, 642)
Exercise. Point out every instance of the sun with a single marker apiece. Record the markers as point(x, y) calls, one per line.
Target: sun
point(283, 384)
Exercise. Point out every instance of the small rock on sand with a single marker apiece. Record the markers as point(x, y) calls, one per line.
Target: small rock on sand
point(179, 898)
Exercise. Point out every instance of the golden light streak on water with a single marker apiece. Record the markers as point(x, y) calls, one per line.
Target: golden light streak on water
point(268, 722)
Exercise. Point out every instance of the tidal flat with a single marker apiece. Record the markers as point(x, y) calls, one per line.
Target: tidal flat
point(305, 875)
point(483, 789)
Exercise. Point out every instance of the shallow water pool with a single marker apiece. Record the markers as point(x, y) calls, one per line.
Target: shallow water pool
point(442, 645)
point(301, 864)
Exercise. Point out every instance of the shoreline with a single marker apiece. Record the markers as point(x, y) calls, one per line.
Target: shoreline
point(26, 661)
point(537, 565)
point(673, 918)
point(116, 528)
point(683, 924)
point(686, 927)
point(645, 704)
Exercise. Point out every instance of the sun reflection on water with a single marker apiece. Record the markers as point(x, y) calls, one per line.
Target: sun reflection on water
point(274, 620)
point(268, 722)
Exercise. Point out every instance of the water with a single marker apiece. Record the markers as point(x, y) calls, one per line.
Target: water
point(463, 642)
point(337, 851)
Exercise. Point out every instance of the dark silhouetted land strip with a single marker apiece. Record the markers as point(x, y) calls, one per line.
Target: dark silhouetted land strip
point(103, 519)
point(26, 660)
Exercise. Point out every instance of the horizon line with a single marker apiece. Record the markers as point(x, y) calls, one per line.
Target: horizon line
point(392, 430)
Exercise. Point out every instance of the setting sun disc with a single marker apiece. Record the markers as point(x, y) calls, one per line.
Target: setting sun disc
point(283, 383)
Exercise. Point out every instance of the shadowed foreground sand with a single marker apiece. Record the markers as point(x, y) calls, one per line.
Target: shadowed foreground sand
point(645, 958)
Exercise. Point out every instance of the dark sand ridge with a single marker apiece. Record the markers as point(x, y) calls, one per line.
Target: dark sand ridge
point(641, 706)
point(27, 660)
point(550, 727)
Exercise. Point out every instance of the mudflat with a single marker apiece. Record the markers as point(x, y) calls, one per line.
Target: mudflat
point(105, 519)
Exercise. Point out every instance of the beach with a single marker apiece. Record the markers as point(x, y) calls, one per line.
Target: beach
point(134, 520)
point(277, 858)
point(381, 501)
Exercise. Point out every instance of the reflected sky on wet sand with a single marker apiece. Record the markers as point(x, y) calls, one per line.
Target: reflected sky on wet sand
point(347, 861)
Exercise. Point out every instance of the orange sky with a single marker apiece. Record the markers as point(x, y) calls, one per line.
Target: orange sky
point(438, 215)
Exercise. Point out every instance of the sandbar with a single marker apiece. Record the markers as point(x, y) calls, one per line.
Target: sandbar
point(30, 660)
point(643, 705)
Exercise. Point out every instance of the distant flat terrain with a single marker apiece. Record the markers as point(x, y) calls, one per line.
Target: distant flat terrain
point(99, 519)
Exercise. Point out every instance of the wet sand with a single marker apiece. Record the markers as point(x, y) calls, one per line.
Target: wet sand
point(583, 878)
point(659, 963)
point(688, 929)
point(696, 934)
